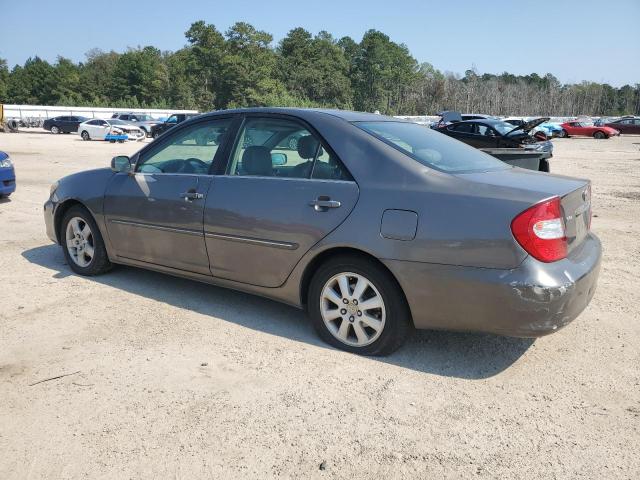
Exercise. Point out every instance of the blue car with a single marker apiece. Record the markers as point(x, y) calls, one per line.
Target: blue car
point(7, 176)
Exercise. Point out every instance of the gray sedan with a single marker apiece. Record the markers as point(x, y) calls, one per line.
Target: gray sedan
point(372, 224)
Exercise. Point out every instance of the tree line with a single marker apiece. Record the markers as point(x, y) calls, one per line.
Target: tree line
point(242, 67)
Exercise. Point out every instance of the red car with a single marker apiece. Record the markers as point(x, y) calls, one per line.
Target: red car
point(626, 125)
point(585, 129)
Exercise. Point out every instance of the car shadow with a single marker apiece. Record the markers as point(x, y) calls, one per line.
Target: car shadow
point(461, 355)
point(5, 200)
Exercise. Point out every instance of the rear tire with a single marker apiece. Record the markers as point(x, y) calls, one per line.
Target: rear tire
point(85, 136)
point(599, 135)
point(82, 243)
point(371, 318)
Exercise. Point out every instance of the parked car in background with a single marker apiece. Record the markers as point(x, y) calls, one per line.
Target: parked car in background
point(7, 176)
point(99, 129)
point(172, 121)
point(585, 129)
point(140, 120)
point(447, 117)
point(490, 133)
point(476, 116)
point(550, 129)
point(625, 125)
point(63, 124)
point(426, 232)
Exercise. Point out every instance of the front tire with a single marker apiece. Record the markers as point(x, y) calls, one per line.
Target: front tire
point(85, 136)
point(82, 243)
point(55, 130)
point(563, 134)
point(357, 306)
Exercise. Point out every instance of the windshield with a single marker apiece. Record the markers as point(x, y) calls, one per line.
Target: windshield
point(144, 118)
point(115, 121)
point(430, 148)
point(503, 127)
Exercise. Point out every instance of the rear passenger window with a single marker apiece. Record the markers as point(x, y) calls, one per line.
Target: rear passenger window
point(463, 127)
point(276, 147)
point(327, 167)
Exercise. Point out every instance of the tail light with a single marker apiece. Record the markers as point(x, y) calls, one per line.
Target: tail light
point(540, 231)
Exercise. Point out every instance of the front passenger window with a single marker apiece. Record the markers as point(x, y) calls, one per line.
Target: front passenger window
point(190, 151)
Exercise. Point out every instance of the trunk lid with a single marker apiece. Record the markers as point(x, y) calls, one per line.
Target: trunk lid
point(533, 187)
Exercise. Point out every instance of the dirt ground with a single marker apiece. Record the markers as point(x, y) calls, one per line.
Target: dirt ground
point(176, 379)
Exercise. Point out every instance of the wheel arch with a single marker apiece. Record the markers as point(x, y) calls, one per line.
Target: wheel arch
point(326, 255)
point(64, 208)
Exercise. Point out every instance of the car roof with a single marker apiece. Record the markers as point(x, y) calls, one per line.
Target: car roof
point(489, 121)
point(348, 115)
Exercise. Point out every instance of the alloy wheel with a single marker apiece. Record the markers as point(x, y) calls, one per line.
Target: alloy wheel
point(352, 309)
point(80, 243)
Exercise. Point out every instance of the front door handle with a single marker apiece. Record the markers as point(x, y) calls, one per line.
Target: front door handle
point(323, 203)
point(191, 195)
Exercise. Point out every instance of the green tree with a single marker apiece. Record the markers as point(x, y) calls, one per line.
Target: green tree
point(4, 80)
point(140, 74)
point(315, 68)
point(248, 68)
point(34, 83)
point(384, 72)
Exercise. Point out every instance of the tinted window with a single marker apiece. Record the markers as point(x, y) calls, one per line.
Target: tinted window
point(431, 148)
point(462, 127)
point(172, 119)
point(191, 150)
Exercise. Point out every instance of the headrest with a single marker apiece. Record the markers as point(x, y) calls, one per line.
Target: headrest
point(307, 147)
point(256, 160)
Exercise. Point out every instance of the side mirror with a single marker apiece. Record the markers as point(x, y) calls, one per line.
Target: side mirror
point(121, 164)
point(278, 159)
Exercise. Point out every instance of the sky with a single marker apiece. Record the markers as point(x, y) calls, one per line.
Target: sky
point(592, 40)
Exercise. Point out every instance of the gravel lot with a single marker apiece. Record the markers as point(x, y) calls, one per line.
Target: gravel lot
point(177, 379)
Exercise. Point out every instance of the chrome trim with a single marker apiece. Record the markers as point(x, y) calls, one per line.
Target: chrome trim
point(253, 241)
point(157, 227)
point(290, 179)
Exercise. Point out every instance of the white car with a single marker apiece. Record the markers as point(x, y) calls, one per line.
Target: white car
point(98, 129)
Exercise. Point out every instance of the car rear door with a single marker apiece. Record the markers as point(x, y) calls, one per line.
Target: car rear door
point(154, 215)
point(273, 203)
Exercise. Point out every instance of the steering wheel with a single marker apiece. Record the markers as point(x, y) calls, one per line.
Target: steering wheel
point(193, 165)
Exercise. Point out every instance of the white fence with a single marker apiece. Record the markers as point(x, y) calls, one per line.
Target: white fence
point(45, 111)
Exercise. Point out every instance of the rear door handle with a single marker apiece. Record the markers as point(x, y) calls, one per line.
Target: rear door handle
point(191, 196)
point(322, 204)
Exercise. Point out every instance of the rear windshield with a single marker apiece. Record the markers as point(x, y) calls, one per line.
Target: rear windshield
point(431, 148)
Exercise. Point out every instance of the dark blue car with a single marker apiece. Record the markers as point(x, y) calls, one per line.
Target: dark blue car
point(7, 176)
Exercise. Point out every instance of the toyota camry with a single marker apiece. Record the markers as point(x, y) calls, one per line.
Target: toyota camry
point(372, 224)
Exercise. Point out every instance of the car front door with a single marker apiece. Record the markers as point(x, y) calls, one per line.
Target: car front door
point(65, 124)
point(154, 214)
point(273, 202)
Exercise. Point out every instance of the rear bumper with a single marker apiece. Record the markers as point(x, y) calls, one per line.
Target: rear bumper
point(532, 300)
point(7, 181)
